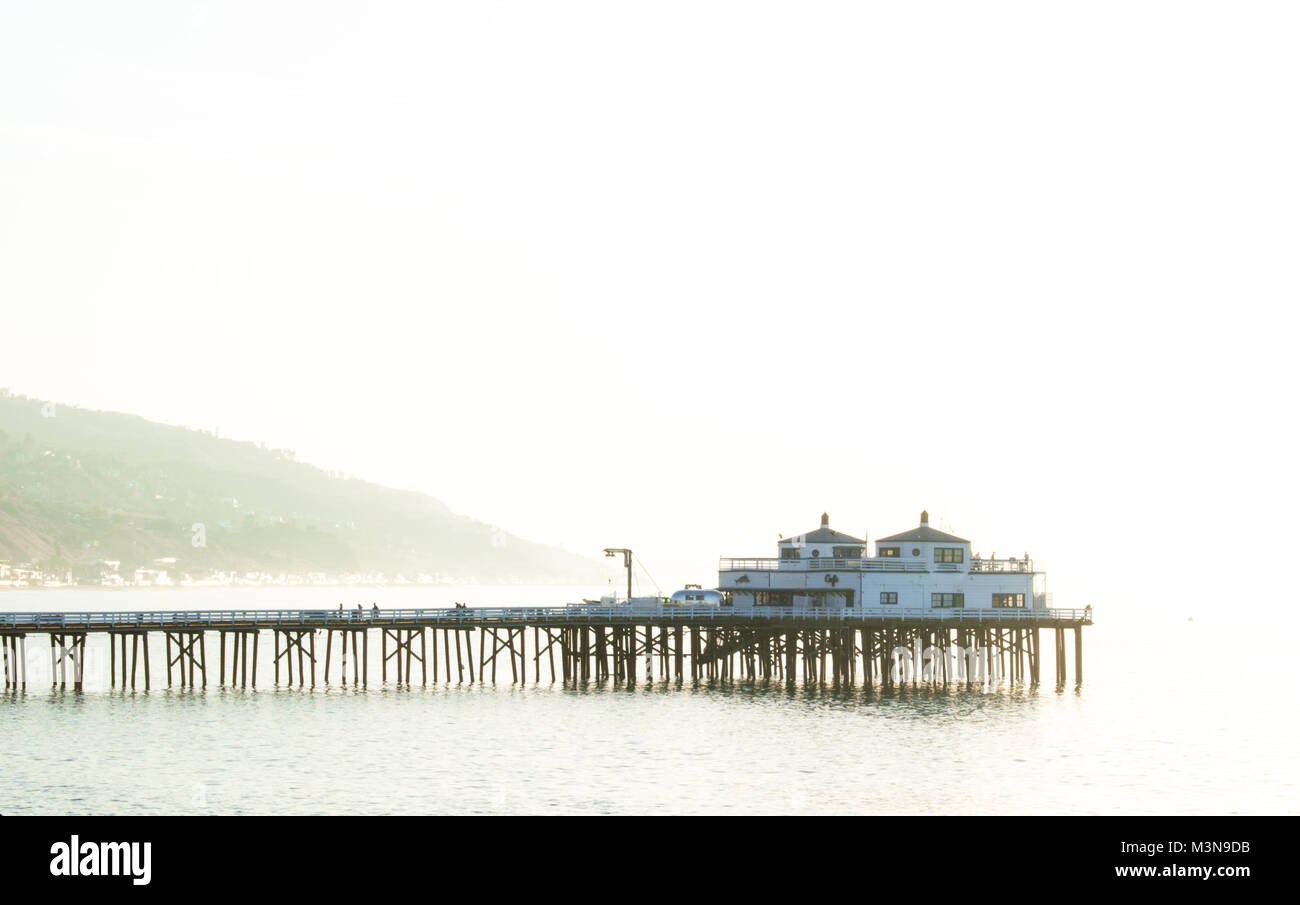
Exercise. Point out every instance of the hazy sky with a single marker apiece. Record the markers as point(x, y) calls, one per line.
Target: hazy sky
point(681, 276)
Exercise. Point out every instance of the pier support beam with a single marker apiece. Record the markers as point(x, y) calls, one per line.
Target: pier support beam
point(1035, 655)
point(1078, 655)
point(119, 657)
point(303, 642)
point(986, 648)
point(237, 642)
point(15, 660)
point(190, 659)
point(347, 636)
point(403, 653)
point(71, 646)
point(1060, 657)
point(554, 639)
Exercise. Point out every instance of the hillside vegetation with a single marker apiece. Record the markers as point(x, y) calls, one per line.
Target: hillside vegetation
point(78, 487)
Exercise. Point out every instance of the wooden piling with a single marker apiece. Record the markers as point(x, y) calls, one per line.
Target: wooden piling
point(1078, 655)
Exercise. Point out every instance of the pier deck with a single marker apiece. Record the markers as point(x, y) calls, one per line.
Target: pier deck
point(885, 644)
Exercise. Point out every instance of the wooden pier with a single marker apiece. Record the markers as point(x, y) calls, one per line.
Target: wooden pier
point(626, 644)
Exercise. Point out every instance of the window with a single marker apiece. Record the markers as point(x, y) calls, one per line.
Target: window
point(889, 552)
point(846, 552)
point(1005, 600)
point(789, 552)
point(948, 554)
point(948, 601)
point(888, 598)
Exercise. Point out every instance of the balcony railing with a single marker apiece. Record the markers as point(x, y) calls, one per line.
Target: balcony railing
point(978, 564)
point(821, 564)
point(876, 564)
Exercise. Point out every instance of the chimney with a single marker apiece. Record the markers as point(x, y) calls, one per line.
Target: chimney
point(925, 517)
point(826, 520)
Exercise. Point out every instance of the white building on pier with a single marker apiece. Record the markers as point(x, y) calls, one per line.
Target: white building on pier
point(923, 568)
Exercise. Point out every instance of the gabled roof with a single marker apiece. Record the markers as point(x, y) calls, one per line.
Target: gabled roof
point(925, 534)
point(824, 535)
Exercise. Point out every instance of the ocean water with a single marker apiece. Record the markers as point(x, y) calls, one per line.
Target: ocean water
point(1174, 717)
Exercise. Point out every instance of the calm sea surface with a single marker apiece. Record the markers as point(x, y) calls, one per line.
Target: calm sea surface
point(1174, 717)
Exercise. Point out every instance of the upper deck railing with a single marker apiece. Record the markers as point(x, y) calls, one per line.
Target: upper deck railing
point(870, 564)
point(194, 620)
point(823, 563)
point(979, 564)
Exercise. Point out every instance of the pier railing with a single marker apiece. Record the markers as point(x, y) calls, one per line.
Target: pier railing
point(219, 619)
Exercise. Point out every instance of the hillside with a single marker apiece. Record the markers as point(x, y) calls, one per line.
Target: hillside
point(78, 487)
